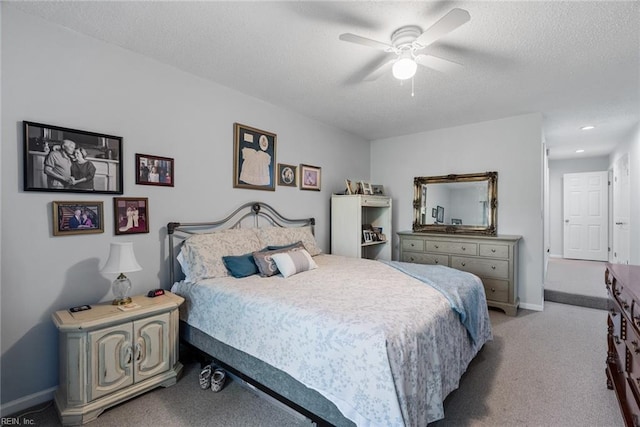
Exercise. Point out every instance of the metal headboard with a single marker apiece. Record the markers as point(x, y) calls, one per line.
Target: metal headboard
point(254, 210)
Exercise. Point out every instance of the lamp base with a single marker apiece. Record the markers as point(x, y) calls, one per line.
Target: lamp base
point(121, 301)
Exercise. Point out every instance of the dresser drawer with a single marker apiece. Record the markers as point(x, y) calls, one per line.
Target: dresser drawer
point(413, 244)
point(422, 258)
point(491, 268)
point(382, 202)
point(494, 251)
point(461, 248)
point(496, 290)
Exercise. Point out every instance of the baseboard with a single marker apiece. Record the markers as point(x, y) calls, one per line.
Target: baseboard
point(27, 402)
point(534, 307)
point(555, 255)
point(579, 300)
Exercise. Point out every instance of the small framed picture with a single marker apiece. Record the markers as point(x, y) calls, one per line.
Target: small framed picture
point(377, 190)
point(456, 221)
point(367, 236)
point(434, 212)
point(131, 215)
point(70, 160)
point(287, 175)
point(310, 177)
point(154, 170)
point(440, 214)
point(366, 188)
point(80, 217)
point(254, 158)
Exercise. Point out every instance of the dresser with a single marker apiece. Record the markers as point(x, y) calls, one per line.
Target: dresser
point(108, 355)
point(492, 258)
point(623, 338)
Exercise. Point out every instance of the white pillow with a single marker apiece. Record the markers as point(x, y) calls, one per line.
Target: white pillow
point(294, 262)
point(280, 236)
point(202, 253)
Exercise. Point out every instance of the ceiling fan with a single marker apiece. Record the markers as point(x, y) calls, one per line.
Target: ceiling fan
point(407, 41)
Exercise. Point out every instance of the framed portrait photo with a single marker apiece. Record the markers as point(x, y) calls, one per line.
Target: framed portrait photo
point(77, 217)
point(287, 175)
point(131, 215)
point(70, 160)
point(440, 214)
point(154, 170)
point(254, 158)
point(310, 177)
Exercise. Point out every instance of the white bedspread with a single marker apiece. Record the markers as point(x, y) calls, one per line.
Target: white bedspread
point(384, 347)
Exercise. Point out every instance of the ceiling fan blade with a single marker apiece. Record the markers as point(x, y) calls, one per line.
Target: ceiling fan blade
point(348, 37)
point(452, 20)
point(438, 64)
point(379, 71)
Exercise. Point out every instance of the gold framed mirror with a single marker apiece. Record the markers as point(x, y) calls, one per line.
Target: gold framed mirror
point(464, 204)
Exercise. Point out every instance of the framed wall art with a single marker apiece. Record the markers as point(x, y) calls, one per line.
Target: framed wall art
point(440, 214)
point(70, 160)
point(131, 215)
point(77, 217)
point(287, 175)
point(154, 170)
point(310, 177)
point(254, 158)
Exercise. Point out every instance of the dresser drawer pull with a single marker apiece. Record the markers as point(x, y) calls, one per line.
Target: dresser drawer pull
point(436, 261)
point(493, 250)
point(412, 245)
point(493, 267)
point(464, 249)
point(493, 289)
point(412, 259)
point(463, 264)
point(636, 350)
point(436, 246)
point(612, 312)
point(616, 339)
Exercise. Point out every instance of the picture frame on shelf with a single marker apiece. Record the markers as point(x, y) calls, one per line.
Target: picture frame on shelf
point(310, 177)
point(287, 175)
point(440, 214)
point(77, 217)
point(367, 236)
point(254, 158)
point(366, 188)
point(456, 221)
point(351, 189)
point(155, 170)
point(131, 215)
point(59, 159)
point(377, 189)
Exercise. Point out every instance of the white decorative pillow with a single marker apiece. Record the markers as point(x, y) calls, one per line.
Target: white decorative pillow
point(294, 262)
point(202, 253)
point(279, 236)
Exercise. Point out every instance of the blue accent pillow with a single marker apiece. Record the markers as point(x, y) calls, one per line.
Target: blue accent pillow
point(240, 265)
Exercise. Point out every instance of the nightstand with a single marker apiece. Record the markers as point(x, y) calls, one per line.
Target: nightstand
point(108, 355)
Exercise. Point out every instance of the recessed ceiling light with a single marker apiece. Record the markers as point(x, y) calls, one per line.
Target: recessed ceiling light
point(589, 127)
point(580, 151)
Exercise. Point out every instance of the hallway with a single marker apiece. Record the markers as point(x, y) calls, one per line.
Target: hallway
point(576, 282)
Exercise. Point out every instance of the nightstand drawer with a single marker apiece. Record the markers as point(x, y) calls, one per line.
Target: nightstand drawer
point(498, 269)
point(374, 201)
point(422, 258)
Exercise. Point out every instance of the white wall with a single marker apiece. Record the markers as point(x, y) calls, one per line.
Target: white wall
point(632, 146)
point(511, 146)
point(557, 168)
point(55, 76)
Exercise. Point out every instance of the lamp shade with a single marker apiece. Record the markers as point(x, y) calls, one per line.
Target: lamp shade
point(121, 259)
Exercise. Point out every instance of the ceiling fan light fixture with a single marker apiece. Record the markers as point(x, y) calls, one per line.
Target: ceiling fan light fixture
point(404, 68)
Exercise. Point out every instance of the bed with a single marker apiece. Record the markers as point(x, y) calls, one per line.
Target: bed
point(344, 341)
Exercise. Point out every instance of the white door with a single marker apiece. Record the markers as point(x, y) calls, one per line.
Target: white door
point(621, 210)
point(586, 216)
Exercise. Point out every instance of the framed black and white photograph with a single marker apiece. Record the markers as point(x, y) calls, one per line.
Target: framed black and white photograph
point(440, 214)
point(131, 215)
point(154, 170)
point(287, 175)
point(77, 217)
point(254, 158)
point(367, 236)
point(70, 160)
point(310, 177)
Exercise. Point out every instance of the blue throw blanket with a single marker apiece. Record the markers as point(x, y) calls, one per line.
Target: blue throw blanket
point(463, 290)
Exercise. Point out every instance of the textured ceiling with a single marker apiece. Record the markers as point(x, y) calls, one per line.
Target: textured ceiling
point(576, 62)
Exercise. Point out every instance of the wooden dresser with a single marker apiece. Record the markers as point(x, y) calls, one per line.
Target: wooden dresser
point(492, 258)
point(623, 338)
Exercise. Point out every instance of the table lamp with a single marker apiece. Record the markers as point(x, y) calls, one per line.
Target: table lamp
point(121, 260)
